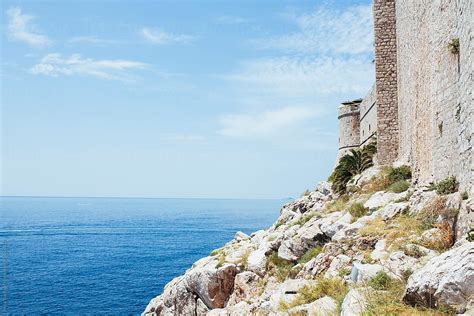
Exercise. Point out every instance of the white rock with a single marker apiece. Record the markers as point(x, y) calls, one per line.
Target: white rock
point(355, 302)
point(379, 252)
point(398, 263)
point(337, 222)
point(325, 306)
point(465, 219)
point(364, 272)
point(446, 279)
point(351, 230)
point(392, 209)
point(382, 198)
point(245, 287)
point(287, 291)
point(241, 236)
point(337, 264)
point(256, 262)
point(420, 199)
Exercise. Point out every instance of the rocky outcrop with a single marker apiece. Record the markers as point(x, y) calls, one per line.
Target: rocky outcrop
point(267, 272)
point(447, 279)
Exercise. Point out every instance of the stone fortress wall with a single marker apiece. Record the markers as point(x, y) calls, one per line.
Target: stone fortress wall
point(368, 118)
point(349, 127)
point(435, 89)
point(421, 105)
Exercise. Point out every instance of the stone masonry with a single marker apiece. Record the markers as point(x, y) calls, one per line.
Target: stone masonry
point(386, 80)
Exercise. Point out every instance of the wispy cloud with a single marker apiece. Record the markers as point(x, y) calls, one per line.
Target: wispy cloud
point(160, 37)
point(115, 69)
point(182, 138)
point(21, 29)
point(326, 30)
point(90, 40)
point(229, 19)
point(294, 76)
point(263, 124)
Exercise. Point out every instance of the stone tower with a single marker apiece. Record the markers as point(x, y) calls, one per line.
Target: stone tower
point(386, 81)
point(349, 126)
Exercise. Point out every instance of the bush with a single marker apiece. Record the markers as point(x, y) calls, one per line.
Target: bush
point(278, 267)
point(399, 186)
point(350, 165)
point(447, 186)
point(381, 281)
point(399, 173)
point(305, 193)
point(358, 210)
point(464, 195)
point(310, 254)
point(470, 234)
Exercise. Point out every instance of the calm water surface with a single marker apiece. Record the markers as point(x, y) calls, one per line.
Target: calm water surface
point(107, 255)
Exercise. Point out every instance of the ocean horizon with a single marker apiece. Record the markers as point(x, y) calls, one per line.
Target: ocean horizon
point(96, 255)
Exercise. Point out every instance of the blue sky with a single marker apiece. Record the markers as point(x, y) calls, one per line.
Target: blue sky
point(177, 99)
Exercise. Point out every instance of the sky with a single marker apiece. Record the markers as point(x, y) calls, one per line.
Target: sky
point(204, 99)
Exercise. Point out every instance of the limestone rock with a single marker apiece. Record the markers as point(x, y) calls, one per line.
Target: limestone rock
point(355, 302)
point(241, 236)
point(286, 292)
point(446, 279)
point(245, 287)
point(339, 263)
point(364, 272)
point(465, 219)
point(308, 236)
point(392, 209)
point(381, 198)
point(325, 306)
point(335, 222)
point(420, 199)
point(379, 251)
point(256, 261)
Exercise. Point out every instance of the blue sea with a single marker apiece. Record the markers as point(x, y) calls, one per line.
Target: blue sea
point(110, 255)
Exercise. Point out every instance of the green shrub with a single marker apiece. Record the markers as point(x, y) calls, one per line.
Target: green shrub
point(350, 165)
point(453, 46)
point(447, 186)
point(399, 186)
point(381, 281)
point(305, 193)
point(310, 254)
point(406, 274)
point(399, 173)
point(278, 267)
point(358, 210)
point(470, 234)
point(464, 195)
point(245, 259)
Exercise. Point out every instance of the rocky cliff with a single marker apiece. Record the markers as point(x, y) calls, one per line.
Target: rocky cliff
point(369, 251)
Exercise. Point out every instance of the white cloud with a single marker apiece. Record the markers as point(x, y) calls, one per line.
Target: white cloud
point(327, 30)
point(91, 40)
point(20, 29)
point(116, 69)
point(294, 76)
point(182, 138)
point(157, 36)
point(229, 19)
point(264, 124)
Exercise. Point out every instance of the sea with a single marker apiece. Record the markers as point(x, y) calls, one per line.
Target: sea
point(110, 256)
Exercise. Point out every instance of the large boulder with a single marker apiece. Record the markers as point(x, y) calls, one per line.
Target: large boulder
point(307, 236)
point(205, 286)
point(447, 279)
point(338, 264)
point(355, 302)
point(382, 198)
point(365, 272)
point(324, 306)
point(465, 219)
point(245, 287)
point(256, 261)
point(335, 222)
point(286, 292)
point(391, 210)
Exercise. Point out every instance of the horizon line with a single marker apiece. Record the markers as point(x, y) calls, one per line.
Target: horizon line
point(139, 197)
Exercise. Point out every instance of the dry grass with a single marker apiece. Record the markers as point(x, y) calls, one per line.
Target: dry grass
point(334, 288)
point(389, 302)
point(401, 227)
point(337, 205)
point(278, 267)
